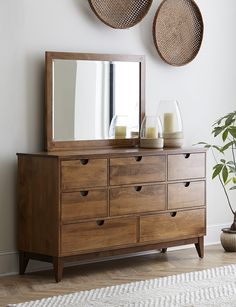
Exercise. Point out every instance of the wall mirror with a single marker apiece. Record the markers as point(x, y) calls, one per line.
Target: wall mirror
point(93, 100)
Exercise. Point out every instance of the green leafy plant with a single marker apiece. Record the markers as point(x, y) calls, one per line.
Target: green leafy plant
point(225, 168)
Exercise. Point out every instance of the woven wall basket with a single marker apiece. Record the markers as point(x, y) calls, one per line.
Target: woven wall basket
point(120, 14)
point(178, 31)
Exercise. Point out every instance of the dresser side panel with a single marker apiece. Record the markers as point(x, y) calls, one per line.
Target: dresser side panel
point(38, 205)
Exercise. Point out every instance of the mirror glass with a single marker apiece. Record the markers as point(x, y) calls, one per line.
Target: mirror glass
point(90, 97)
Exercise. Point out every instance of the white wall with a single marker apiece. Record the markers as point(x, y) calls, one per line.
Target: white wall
point(205, 88)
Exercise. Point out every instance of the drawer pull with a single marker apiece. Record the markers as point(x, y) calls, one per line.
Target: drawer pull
point(173, 214)
point(100, 222)
point(187, 155)
point(84, 193)
point(84, 161)
point(138, 188)
point(139, 158)
point(187, 184)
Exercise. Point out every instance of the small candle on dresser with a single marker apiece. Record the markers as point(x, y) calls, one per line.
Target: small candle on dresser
point(151, 133)
point(120, 132)
point(169, 122)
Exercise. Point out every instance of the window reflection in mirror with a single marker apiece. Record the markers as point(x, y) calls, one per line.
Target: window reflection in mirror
point(87, 95)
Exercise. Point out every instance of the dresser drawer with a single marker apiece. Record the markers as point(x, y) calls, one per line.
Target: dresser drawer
point(137, 170)
point(186, 194)
point(98, 234)
point(164, 227)
point(84, 205)
point(186, 166)
point(83, 173)
point(137, 199)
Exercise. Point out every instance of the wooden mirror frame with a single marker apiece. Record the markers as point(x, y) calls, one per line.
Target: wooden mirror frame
point(50, 144)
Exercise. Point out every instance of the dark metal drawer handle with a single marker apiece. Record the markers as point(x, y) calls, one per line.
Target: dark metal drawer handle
point(100, 222)
point(187, 155)
point(138, 188)
point(84, 193)
point(187, 184)
point(173, 214)
point(138, 159)
point(84, 161)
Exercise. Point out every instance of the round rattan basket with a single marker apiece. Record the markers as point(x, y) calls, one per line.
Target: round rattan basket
point(178, 31)
point(120, 14)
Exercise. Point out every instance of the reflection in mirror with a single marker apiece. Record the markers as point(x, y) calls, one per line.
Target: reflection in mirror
point(89, 95)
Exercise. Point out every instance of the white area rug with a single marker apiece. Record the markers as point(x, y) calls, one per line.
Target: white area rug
point(212, 287)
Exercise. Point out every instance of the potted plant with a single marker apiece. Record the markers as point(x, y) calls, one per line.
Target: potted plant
point(225, 169)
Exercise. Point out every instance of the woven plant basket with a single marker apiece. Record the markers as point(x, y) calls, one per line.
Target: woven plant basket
point(178, 31)
point(120, 14)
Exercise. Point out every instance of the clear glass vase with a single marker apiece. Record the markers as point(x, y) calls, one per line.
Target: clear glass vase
point(151, 135)
point(119, 127)
point(170, 115)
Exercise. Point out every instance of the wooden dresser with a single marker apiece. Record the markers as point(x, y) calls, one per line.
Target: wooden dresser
point(97, 203)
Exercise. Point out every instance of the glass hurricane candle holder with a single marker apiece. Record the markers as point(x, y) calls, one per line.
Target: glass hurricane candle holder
point(170, 115)
point(118, 128)
point(151, 135)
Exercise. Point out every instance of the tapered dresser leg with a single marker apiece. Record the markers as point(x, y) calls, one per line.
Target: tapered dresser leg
point(163, 250)
point(200, 247)
point(23, 262)
point(58, 266)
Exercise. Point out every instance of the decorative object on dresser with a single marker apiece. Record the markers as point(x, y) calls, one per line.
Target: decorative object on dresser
point(118, 127)
point(225, 128)
point(151, 133)
point(120, 14)
point(169, 113)
point(104, 199)
point(178, 31)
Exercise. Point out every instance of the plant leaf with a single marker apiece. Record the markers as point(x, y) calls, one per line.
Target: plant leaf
point(232, 131)
point(224, 135)
point(217, 130)
point(203, 143)
point(233, 188)
point(232, 169)
point(218, 165)
point(206, 145)
point(230, 119)
point(225, 174)
point(218, 122)
point(217, 170)
point(223, 161)
point(218, 148)
point(226, 146)
point(228, 181)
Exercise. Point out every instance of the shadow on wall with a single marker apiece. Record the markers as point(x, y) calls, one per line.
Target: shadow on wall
point(84, 7)
point(146, 33)
point(8, 171)
point(144, 28)
point(32, 105)
point(35, 100)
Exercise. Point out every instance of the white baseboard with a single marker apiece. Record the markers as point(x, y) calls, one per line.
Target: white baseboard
point(8, 262)
point(9, 259)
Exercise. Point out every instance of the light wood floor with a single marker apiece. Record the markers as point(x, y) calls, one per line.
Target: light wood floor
point(32, 286)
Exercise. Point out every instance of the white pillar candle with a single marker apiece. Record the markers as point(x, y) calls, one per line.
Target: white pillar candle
point(169, 119)
point(151, 133)
point(120, 132)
